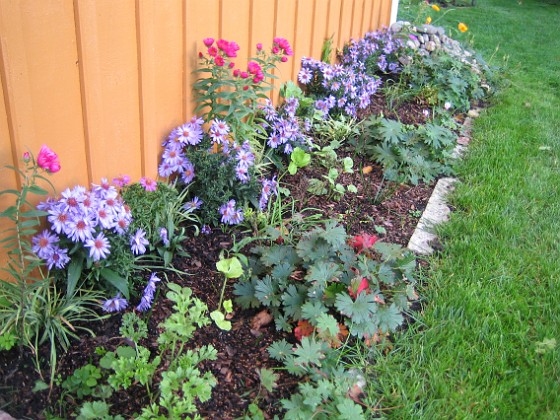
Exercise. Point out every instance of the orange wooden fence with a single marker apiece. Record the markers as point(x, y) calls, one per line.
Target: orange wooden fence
point(102, 82)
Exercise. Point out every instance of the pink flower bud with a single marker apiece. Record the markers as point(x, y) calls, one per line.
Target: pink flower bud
point(259, 46)
point(284, 59)
point(244, 74)
point(208, 41)
point(231, 65)
point(236, 72)
point(26, 157)
point(245, 87)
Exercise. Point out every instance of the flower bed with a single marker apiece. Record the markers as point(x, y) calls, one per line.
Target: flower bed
point(270, 249)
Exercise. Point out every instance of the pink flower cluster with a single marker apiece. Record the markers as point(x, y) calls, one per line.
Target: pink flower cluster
point(282, 45)
point(47, 159)
point(221, 50)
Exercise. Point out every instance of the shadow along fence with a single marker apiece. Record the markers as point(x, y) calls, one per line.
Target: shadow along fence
point(102, 82)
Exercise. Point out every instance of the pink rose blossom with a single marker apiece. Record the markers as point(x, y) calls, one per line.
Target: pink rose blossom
point(47, 159)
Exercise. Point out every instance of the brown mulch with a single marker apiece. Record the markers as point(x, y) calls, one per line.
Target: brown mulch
point(377, 207)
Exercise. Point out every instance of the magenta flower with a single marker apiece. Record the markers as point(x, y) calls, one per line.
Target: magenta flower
point(98, 247)
point(219, 61)
point(47, 159)
point(121, 180)
point(115, 304)
point(148, 184)
point(208, 41)
point(259, 46)
point(138, 242)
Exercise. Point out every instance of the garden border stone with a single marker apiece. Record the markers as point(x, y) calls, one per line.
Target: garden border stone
point(437, 211)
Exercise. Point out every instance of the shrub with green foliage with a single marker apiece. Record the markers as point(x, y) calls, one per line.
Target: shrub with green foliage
point(408, 153)
point(319, 278)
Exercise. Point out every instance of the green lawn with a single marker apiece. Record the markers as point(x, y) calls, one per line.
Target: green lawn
point(487, 344)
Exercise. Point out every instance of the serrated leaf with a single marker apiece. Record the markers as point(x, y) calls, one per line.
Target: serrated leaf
point(293, 299)
point(389, 318)
point(282, 271)
point(309, 352)
point(245, 292)
point(311, 310)
point(349, 410)
point(268, 379)
point(323, 273)
point(334, 234)
point(317, 187)
point(265, 292)
point(279, 350)
point(328, 323)
point(359, 310)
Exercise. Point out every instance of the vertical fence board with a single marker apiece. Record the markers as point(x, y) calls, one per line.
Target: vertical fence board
point(160, 28)
point(333, 25)
point(41, 75)
point(375, 13)
point(235, 27)
point(262, 29)
point(366, 17)
point(7, 176)
point(208, 12)
point(318, 36)
point(384, 15)
point(357, 19)
point(345, 28)
point(286, 27)
point(110, 69)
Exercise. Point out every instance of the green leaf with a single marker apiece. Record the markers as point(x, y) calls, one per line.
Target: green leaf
point(34, 213)
point(310, 351)
point(265, 292)
point(389, 318)
point(328, 323)
point(293, 299)
point(230, 267)
point(228, 306)
point(245, 292)
point(40, 386)
point(279, 350)
point(349, 410)
point(268, 379)
point(9, 212)
point(334, 234)
point(120, 283)
point(317, 187)
point(74, 273)
point(359, 310)
point(220, 320)
point(37, 190)
point(300, 158)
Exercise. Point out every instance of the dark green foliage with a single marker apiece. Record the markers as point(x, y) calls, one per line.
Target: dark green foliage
point(406, 152)
point(311, 280)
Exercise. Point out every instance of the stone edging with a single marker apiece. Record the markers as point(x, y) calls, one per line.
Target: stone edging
point(437, 211)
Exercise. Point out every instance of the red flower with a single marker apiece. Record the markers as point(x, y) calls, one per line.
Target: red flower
point(47, 159)
point(362, 287)
point(363, 241)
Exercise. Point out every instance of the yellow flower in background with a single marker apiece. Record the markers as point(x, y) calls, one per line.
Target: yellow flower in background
point(428, 20)
point(462, 27)
point(435, 7)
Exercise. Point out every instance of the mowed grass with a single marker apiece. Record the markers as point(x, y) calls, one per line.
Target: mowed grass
point(487, 343)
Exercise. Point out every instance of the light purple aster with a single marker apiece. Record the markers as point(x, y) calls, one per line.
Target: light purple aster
point(80, 228)
point(115, 304)
point(43, 244)
point(305, 75)
point(138, 242)
point(188, 173)
point(163, 236)
point(99, 247)
point(57, 258)
point(231, 215)
point(192, 205)
point(148, 295)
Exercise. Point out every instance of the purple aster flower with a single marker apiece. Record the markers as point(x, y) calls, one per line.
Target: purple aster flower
point(105, 218)
point(148, 183)
point(305, 75)
point(163, 236)
point(148, 296)
point(58, 219)
point(189, 133)
point(58, 258)
point(231, 215)
point(138, 242)
point(188, 173)
point(71, 199)
point(80, 228)
point(192, 205)
point(115, 304)
point(98, 247)
point(43, 244)
point(206, 230)
point(245, 158)
point(242, 174)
